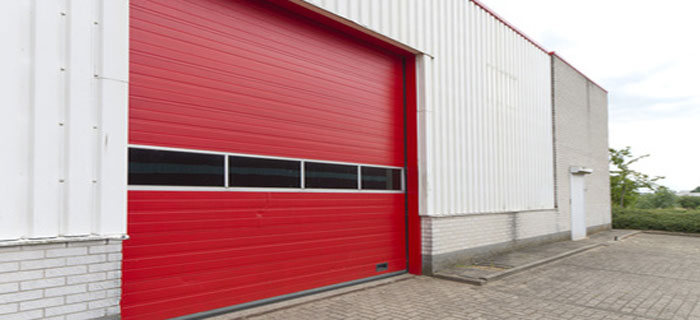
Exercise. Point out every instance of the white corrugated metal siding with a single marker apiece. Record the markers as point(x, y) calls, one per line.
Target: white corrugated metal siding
point(485, 113)
point(64, 137)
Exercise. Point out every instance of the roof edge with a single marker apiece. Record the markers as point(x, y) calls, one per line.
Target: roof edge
point(533, 42)
point(509, 25)
point(554, 54)
point(345, 24)
point(309, 7)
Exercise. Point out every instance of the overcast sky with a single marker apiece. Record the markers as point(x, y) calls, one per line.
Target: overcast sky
point(647, 55)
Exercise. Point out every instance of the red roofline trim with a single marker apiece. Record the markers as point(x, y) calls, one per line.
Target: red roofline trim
point(533, 42)
point(509, 25)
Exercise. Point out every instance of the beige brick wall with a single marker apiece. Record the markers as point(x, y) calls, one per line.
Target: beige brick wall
point(61, 281)
point(581, 139)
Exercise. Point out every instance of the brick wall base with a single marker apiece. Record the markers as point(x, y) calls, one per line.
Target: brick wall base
point(434, 263)
point(460, 239)
point(63, 280)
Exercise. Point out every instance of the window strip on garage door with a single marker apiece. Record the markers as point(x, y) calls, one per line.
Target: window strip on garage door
point(164, 168)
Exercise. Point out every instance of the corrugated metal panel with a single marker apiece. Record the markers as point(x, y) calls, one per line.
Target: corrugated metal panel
point(485, 110)
point(249, 77)
point(64, 138)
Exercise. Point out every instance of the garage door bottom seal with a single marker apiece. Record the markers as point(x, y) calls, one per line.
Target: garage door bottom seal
point(282, 298)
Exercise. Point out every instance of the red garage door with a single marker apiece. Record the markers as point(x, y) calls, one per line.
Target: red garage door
point(266, 157)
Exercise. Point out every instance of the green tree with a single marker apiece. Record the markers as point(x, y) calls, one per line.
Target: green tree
point(625, 183)
point(697, 189)
point(689, 202)
point(664, 198)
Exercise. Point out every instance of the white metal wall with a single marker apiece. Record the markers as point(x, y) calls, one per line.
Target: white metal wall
point(485, 113)
point(64, 118)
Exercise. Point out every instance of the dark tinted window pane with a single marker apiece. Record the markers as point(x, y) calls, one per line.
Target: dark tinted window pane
point(330, 176)
point(258, 172)
point(374, 178)
point(173, 168)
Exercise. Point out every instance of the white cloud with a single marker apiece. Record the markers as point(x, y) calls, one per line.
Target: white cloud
point(647, 54)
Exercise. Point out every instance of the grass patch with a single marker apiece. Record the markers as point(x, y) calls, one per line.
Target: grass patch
point(675, 220)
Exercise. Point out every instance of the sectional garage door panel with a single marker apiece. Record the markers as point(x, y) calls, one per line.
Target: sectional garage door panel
point(292, 88)
point(196, 251)
point(249, 79)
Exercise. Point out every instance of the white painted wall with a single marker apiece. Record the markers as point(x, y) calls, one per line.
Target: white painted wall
point(485, 111)
point(64, 118)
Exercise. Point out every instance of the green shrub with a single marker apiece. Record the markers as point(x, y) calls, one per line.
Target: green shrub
point(661, 198)
point(689, 202)
point(675, 220)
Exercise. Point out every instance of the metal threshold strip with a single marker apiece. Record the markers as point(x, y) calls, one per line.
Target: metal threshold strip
point(257, 303)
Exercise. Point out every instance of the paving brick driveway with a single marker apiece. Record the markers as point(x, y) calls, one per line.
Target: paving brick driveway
point(644, 277)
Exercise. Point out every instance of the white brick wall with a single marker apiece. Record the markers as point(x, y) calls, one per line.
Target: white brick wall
point(450, 234)
point(62, 281)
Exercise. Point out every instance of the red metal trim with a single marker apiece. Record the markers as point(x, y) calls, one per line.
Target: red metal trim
point(554, 54)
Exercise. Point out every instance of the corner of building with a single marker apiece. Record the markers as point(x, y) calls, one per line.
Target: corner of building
point(61, 279)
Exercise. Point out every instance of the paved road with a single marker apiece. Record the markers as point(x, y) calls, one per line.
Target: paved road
point(644, 277)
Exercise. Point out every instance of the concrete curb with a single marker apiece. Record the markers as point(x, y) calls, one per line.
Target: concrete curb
point(468, 280)
point(657, 232)
point(669, 233)
point(540, 262)
point(276, 306)
point(625, 236)
point(484, 280)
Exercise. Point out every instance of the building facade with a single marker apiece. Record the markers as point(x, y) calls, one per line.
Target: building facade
point(170, 159)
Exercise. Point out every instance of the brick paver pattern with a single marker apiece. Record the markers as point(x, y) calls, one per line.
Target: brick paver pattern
point(644, 277)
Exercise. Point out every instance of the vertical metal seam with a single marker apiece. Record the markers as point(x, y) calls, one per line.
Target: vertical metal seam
point(31, 136)
point(97, 38)
point(64, 87)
